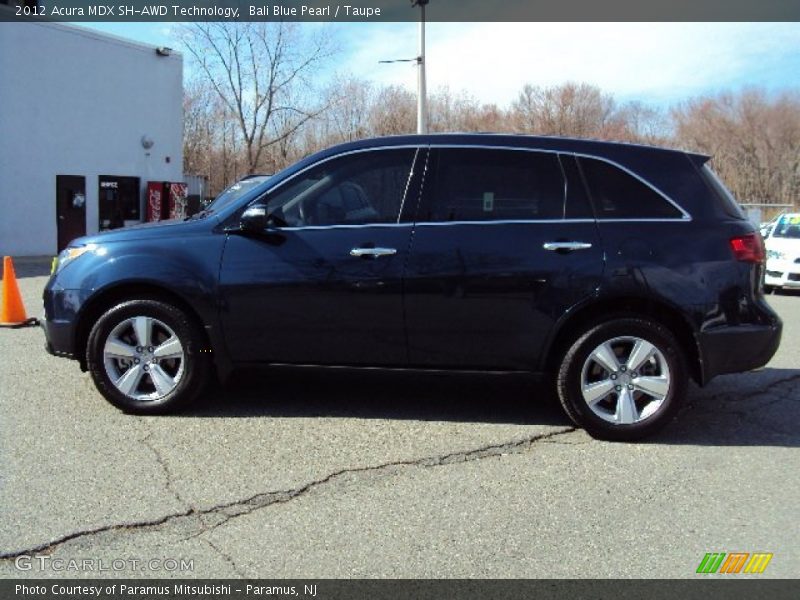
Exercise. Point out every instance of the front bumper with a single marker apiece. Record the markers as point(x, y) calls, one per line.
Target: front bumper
point(60, 320)
point(59, 339)
point(738, 348)
point(782, 273)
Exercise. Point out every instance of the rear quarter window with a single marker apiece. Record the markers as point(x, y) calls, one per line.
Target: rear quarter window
point(617, 194)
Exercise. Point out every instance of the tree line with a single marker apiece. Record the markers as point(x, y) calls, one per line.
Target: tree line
point(255, 107)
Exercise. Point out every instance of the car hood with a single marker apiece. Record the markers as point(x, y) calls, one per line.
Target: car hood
point(144, 231)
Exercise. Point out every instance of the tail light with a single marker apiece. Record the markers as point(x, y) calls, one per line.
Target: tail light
point(749, 248)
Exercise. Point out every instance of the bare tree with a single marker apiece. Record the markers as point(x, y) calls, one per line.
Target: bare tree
point(642, 123)
point(211, 145)
point(463, 112)
point(393, 111)
point(198, 128)
point(350, 101)
point(577, 109)
point(262, 74)
point(254, 109)
point(754, 141)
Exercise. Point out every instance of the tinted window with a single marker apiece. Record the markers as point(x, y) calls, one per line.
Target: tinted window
point(618, 195)
point(486, 185)
point(360, 188)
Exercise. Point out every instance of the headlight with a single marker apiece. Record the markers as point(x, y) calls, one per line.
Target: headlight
point(69, 254)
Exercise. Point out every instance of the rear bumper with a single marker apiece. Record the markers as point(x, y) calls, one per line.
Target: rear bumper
point(738, 348)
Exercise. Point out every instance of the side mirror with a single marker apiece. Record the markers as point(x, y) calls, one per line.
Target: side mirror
point(254, 219)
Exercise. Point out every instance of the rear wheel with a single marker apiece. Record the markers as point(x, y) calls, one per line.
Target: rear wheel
point(623, 379)
point(147, 357)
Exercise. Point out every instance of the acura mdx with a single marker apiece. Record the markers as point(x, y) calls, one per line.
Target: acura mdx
point(619, 272)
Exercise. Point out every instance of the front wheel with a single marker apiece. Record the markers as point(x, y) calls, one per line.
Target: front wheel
point(623, 379)
point(147, 357)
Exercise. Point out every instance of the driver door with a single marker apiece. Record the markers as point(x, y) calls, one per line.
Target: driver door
point(324, 286)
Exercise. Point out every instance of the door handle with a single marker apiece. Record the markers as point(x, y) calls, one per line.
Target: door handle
point(372, 252)
point(566, 246)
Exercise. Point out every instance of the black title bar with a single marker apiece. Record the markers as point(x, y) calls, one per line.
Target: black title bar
point(709, 588)
point(404, 10)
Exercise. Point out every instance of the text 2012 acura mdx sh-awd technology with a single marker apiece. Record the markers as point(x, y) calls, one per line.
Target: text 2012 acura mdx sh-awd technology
point(620, 271)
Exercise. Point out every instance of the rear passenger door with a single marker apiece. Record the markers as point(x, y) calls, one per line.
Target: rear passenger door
point(504, 243)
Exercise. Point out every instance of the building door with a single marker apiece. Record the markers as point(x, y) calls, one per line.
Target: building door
point(119, 201)
point(70, 208)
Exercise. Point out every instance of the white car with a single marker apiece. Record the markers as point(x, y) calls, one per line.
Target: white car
point(783, 253)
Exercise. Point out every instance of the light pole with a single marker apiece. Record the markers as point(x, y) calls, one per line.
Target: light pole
point(422, 98)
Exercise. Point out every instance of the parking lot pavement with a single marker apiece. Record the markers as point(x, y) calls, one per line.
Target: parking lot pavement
point(297, 473)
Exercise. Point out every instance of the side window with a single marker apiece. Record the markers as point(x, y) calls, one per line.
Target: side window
point(472, 184)
point(618, 195)
point(359, 188)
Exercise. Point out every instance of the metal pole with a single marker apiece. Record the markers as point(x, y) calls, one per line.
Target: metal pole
point(422, 109)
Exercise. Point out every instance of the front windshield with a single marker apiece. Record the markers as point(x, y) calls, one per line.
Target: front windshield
point(236, 191)
point(788, 226)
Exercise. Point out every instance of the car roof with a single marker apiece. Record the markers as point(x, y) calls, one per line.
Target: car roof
point(591, 147)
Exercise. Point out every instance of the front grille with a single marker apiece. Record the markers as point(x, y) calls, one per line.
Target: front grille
point(797, 261)
point(794, 276)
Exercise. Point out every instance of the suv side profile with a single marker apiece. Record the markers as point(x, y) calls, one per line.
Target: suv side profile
point(619, 271)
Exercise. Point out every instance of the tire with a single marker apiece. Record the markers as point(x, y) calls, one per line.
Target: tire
point(769, 289)
point(147, 357)
point(601, 394)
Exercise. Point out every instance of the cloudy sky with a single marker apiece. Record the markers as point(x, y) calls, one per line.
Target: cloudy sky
point(657, 63)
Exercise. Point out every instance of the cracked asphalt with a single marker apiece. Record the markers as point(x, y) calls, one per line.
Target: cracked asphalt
point(294, 473)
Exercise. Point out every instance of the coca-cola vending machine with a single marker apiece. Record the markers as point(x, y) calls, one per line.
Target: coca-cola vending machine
point(166, 200)
point(155, 197)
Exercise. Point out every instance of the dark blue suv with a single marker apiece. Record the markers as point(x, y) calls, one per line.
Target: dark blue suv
point(620, 271)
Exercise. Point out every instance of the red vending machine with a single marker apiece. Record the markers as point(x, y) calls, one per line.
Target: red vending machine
point(166, 200)
point(177, 200)
point(155, 201)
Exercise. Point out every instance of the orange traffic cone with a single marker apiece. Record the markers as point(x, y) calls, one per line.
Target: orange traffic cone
point(12, 310)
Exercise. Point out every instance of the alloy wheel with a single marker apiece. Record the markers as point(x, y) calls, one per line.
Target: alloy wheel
point(625, 380)
point(144, 358)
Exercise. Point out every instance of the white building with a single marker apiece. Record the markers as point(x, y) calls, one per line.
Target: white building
point(86, 120)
